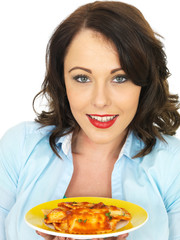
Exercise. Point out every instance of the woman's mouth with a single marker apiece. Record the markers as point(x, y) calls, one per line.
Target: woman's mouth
point(102, 121)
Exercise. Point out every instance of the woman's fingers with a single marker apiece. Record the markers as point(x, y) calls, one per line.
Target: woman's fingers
point(120, 237)
point(50, 237)
point(45, 236)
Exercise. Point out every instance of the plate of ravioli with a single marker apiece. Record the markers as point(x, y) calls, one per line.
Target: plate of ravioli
point(86, 217)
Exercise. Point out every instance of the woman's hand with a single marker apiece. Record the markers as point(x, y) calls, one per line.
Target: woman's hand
point(50, 237)
point(120, 237)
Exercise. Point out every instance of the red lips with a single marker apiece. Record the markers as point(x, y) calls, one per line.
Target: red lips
point(100, 124)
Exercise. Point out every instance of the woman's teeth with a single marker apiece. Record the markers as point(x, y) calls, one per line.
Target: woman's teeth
point(103, 119)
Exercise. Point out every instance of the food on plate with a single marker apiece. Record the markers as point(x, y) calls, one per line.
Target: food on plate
point(86, 217)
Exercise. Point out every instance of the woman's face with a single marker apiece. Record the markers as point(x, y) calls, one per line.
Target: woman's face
point(102, 98)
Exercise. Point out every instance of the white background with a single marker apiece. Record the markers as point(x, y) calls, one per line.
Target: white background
point(25, 28)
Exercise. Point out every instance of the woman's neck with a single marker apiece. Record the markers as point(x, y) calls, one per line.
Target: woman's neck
point(82, 145)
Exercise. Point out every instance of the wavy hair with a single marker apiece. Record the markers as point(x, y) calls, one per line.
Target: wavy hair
point(142, 57)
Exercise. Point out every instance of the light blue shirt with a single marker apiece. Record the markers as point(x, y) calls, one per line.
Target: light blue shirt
point(30, 174)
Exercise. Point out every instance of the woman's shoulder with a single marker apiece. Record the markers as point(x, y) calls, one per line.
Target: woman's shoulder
point(164, 157)
point(169, 144)
point(30, 129)
point(24, 136)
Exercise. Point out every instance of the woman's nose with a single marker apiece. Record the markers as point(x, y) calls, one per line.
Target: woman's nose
point(101, 96)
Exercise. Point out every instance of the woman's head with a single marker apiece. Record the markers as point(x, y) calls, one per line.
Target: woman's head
point(102, 98)
point(141, 57)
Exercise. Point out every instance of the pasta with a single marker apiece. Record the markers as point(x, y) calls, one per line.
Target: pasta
point(86, 218)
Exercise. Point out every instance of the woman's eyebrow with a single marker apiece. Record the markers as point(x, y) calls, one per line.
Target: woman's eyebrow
point(115, 70)
point(82, 68)
point(89, 71)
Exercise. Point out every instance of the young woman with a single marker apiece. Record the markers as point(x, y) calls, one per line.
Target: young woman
point(107, 131)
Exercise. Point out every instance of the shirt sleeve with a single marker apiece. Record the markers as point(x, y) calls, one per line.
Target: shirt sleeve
point(11, 147)
point(174, 209)
point(172, 198)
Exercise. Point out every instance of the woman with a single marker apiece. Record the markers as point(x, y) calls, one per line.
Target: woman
point(107, 131)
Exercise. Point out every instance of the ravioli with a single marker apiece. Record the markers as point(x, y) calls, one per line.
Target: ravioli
point(86, 218)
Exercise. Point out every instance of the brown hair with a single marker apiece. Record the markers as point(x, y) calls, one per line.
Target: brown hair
point(141, 56)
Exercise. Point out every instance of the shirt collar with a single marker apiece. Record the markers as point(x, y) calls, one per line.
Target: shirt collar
point(65, 143)
point(131, 147)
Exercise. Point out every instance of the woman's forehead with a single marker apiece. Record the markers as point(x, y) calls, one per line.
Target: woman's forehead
point(91, 46)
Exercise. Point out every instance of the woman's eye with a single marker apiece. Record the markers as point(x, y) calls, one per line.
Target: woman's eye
point(120, 79)
point(81, 78)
